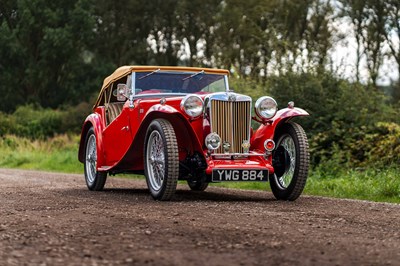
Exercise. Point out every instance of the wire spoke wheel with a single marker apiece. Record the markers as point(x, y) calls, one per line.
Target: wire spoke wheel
point(95, 180)
point(91, 160)
point(290, 161)
point(290, 149)
point(161, 159)
point(156, 160)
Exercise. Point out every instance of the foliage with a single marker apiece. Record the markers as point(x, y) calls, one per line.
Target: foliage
point(53, 154)
point(380, 146)
point(35, 122)
point(376, 25)
point(341, 114)
point(56, 52)
point(42, 45)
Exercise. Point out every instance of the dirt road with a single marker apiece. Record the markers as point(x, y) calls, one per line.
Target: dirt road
point(52, 219)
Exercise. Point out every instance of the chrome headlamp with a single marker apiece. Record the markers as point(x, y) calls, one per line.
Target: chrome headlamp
point(213, 141)
point(266, 107)
point(192, 105)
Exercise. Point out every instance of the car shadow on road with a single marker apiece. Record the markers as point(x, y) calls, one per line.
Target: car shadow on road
point(188, 195)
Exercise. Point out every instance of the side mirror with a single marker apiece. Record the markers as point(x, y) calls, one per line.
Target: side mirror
point(122, 92)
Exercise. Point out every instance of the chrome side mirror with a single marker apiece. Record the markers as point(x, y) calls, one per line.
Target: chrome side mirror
point(122, 92)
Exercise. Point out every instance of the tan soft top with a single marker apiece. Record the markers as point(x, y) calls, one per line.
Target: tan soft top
point(126, 70)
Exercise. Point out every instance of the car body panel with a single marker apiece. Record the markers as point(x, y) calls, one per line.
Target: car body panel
point(267, 130)
point(117, 137)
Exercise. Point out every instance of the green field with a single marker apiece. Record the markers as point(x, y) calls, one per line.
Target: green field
point(59, 154)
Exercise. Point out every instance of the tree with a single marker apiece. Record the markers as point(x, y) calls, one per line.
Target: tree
point(391, 33)
point(121, 29)
point(42, 51)
point(373, 37)
point(196, 21)
point(355, 11)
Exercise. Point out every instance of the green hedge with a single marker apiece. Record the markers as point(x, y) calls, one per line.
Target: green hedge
point(35, 122)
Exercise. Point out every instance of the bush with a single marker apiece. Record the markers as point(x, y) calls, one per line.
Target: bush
point(379, 146)
point(73, 117)
point(341, 114)
point(35, 122)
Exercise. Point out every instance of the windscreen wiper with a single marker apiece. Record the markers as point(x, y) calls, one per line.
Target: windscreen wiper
point(195, 74)
point(151, 73)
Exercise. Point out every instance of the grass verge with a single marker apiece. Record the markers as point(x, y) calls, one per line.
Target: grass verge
point(59, 154)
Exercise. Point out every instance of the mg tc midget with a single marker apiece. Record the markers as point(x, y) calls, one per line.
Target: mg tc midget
point(181, 123)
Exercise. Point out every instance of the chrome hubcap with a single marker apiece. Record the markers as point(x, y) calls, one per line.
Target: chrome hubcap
point(288, 144)
point(155, 157)
point(91, 159)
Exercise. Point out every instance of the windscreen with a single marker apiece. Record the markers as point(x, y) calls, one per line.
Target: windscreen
point(182, 82)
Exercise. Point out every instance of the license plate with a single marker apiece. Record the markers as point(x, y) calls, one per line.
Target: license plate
point(219, 175)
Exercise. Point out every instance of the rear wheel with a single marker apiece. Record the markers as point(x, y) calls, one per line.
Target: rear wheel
point(95, 180)
point(161, 162)
point(291, 161)
point(197, 185)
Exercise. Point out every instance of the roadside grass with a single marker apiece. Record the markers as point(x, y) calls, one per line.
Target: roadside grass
point(366, 184)
point(59, 154)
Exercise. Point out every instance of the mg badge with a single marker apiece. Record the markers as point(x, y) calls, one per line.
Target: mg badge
point(232, 98)
point(246, 146)
point(226, 146)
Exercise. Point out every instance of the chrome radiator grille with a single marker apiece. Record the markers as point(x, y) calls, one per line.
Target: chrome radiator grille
point(231, 121)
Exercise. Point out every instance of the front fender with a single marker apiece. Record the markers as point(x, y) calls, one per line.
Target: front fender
point(287, 113)
point(186, 129)
point(94, 120)
point(267, 130)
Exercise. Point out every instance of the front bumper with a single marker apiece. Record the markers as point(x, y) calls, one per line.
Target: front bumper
point(239, 161)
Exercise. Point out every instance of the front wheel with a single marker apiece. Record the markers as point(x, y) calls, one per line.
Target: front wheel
point(95, 180)
point(290, 161)
point(161, 159)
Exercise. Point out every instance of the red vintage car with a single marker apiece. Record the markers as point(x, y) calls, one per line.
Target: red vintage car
point(184, 123)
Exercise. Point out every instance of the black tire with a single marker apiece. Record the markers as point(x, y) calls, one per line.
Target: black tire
point(161, 169)
point(289, 179)
point(197, 185)
point(95, 180)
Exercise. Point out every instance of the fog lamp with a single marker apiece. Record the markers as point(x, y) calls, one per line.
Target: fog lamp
point(213, 141)
point(269, 145)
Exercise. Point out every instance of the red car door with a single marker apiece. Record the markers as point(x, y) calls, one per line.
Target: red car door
point(117, 138)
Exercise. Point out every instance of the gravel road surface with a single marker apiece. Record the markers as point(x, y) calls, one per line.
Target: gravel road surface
point(52, 219)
